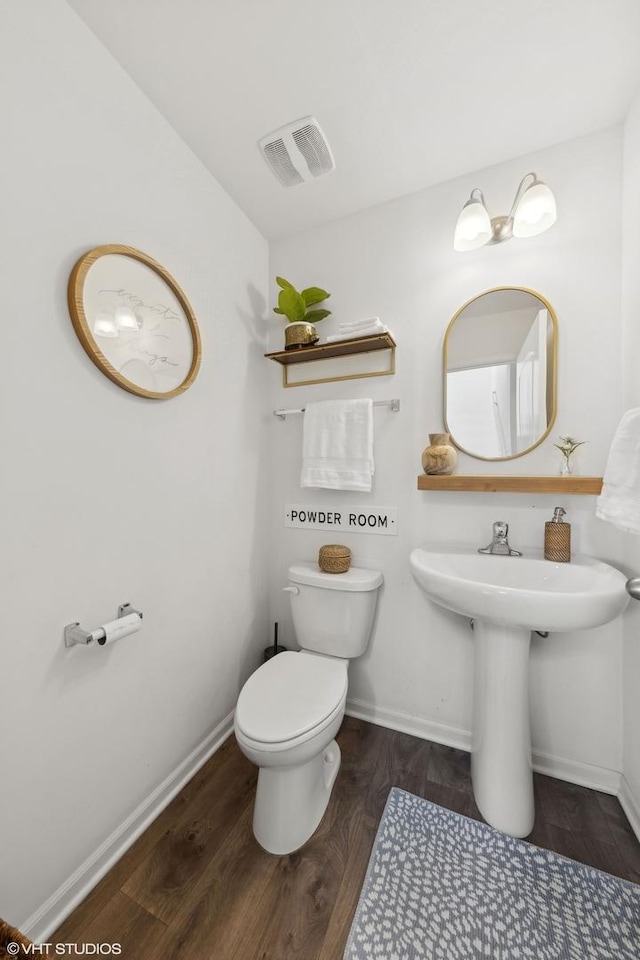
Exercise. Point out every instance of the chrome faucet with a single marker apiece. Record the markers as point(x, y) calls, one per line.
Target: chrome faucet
point(500, 543)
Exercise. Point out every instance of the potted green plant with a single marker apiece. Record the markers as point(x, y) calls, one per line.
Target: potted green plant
point(302, 312)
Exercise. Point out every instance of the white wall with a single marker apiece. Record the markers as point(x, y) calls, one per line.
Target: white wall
point(397, 261)
point(631, 372)
point(108, 497)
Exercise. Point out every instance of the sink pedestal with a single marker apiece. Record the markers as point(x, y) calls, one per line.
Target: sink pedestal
point(501, 746)
point(507, 597)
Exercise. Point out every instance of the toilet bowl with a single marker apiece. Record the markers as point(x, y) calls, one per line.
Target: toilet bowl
point(288, 713)
point(291, 708)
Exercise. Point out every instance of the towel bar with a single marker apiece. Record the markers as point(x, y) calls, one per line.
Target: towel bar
point(394, 404)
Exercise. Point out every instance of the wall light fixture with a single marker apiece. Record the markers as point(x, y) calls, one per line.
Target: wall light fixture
point(533, 211)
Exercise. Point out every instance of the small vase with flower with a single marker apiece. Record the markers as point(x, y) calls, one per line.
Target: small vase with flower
point(567, 448)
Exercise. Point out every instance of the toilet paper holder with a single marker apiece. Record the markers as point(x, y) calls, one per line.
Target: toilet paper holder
point(74, 633)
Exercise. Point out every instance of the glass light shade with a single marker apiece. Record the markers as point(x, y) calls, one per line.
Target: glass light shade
point(104, 326)
point(473, 228)
point(536, 211)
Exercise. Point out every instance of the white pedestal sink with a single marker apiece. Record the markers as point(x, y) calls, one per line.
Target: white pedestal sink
point(507, 598)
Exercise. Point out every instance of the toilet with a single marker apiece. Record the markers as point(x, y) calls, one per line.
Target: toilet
point(291, 708)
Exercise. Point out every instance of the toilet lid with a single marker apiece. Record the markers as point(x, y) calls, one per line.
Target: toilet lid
point(355, 580)
point(290, 695)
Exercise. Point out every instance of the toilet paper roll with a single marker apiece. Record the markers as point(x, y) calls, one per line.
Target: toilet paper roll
point(116, 629)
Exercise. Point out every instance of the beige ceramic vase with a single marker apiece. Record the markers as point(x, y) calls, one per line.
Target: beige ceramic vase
point(440, 456)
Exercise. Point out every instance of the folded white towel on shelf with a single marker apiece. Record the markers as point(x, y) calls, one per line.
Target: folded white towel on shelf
point(363, 332)
point(337, 445)
point(619, 502)
point(356, 324)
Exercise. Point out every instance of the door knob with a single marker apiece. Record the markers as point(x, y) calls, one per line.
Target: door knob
point(633, 588)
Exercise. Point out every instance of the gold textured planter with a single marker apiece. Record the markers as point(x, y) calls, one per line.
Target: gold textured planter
point(300, 334)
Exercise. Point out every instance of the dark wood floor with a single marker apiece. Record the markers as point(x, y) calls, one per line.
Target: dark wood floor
point(196, 886)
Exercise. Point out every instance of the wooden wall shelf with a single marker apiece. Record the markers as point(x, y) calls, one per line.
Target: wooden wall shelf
point(331, 351)
point(341, 348)
point(504, 484)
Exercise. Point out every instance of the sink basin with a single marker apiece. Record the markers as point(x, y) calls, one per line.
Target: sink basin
point(528, 592)
point(507, 598)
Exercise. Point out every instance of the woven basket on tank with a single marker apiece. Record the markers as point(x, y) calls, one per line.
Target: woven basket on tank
point(334, 558)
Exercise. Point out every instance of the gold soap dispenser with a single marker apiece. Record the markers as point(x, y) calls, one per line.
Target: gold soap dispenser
point(557, 538)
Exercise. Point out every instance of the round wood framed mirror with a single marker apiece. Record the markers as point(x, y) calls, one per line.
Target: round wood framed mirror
point(134, 321)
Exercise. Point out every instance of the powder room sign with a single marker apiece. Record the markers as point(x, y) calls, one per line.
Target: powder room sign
point(381, 520)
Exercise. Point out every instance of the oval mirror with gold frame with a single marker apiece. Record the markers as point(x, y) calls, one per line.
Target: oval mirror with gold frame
point(500, 371)
point(134, 321)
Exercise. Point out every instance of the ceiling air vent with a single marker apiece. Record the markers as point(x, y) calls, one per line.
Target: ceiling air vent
point(297, 152)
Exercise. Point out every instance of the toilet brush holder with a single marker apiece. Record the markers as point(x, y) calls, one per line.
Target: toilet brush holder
point(275, 647)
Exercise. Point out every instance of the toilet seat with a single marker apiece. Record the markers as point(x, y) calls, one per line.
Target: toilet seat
point(290, 698)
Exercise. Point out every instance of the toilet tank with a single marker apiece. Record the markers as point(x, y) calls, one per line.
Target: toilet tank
point(333, 612)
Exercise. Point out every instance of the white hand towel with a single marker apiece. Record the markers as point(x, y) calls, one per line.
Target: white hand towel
point(337, 445)
point(619, 502)
point(363, 332)
point(360, 324)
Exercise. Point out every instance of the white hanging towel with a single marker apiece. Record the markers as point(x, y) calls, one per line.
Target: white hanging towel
point(337, 445)
point(619, 502)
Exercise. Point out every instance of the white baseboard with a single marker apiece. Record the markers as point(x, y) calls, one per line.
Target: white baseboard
point(630, 805)
point(407, 723)
point(50, 915)
point(573, 771)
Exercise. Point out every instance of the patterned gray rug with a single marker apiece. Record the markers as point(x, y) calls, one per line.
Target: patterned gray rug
point(444, 887)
